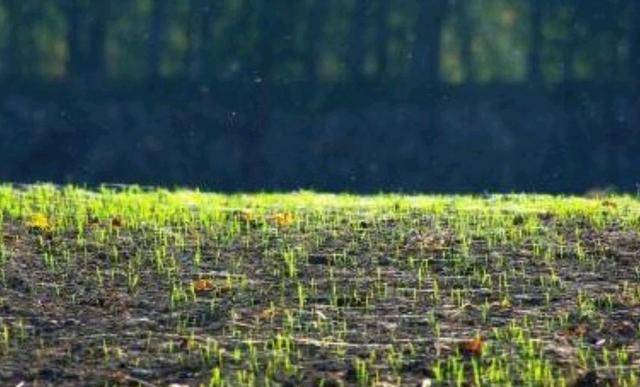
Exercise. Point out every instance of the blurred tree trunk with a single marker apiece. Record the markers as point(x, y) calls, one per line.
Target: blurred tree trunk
point(357, 51)
point(190, 64)
point(465, 28)
point(199, 30)
point(382, 37)
point(535, 43)
point(426, 46)
point(75, 59)
point(96, 60)
point(12, 53)
point(425, 69)
point(569, 50)
point(634, 69)
point(252, 164)
point(634, 54)
point(157, 32)
point(614, 128)
point(203, 52)
point(574, 139)
point(315, 23)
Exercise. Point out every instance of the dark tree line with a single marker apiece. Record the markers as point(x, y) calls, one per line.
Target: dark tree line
point(255, 74)
point(332, 40)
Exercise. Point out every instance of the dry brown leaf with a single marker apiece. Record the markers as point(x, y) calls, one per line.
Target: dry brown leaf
point(283, 219)
point(473, 347)
point(203, 285)
point(578, 330)
point(117, 222)
point(267, 314)
point(245, 215)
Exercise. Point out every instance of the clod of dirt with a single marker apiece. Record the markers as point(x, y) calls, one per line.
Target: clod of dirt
point(590, 379)
point(320, 259)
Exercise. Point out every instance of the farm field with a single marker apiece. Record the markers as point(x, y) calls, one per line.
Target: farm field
point(128, 286)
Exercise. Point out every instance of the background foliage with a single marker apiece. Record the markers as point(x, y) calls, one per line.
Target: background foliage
point(363, 95)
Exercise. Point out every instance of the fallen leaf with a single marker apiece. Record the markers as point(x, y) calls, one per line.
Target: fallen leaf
point(578, 330)
point(267, 314)
point(40, 221)
point(117, 222)
point(245, 215)
point(473, 347)
point(203, 285)
point(283, 219)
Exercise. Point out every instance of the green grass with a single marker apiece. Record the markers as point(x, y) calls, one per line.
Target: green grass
point(152, 287)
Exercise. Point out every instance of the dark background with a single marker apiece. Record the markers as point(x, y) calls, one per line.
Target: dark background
point(358, 95)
